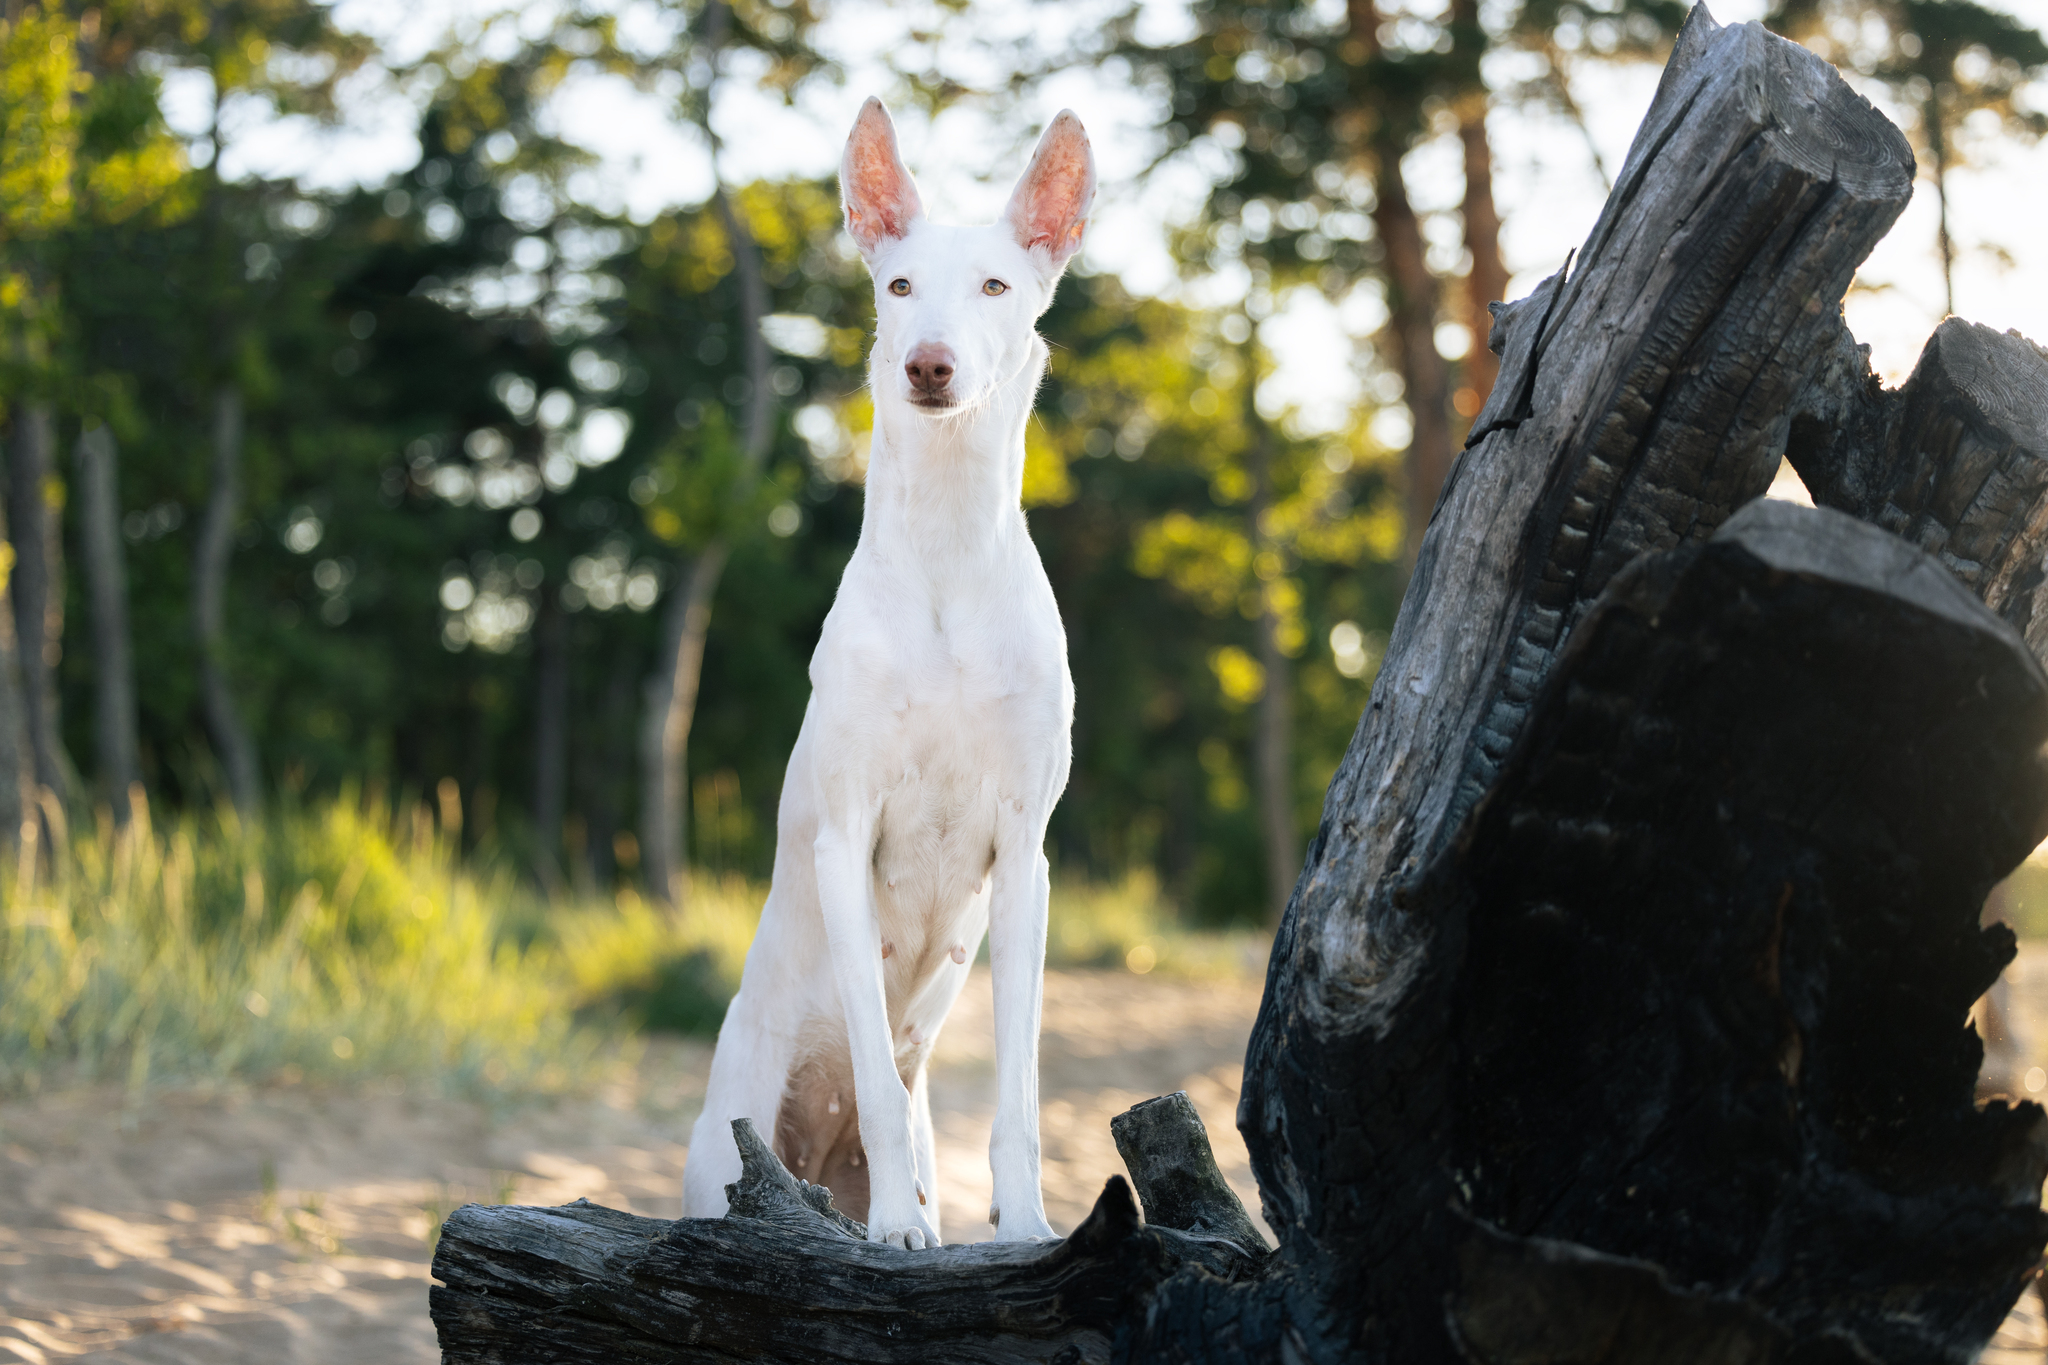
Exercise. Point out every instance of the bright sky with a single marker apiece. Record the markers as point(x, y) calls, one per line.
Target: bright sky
point(966, 160)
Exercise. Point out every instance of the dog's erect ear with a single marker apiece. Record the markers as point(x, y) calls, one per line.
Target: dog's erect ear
point(1049, 207)
point(880, 197)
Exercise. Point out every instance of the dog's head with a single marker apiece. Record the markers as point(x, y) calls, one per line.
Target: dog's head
point(954, 306)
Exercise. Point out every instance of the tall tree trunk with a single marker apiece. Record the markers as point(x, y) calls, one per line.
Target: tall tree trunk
point(1425, 379)
point(1937, 146)
point(1273, 730)
point(550, 740)
point(665, 737)
point(1487, 280)
point(610, 754)
point(231, 741)
point(671, 692)
point(17, 766)
point(38, 596)
point(106, 575)
point(1411, 288)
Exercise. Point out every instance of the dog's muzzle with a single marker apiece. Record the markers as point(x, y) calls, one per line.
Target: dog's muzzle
point(930, 371)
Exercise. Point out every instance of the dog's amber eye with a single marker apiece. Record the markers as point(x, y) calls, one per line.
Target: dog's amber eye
point(899, 287)
point(995, 287)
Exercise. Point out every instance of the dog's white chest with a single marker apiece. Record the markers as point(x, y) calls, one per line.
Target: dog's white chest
point(956, 729)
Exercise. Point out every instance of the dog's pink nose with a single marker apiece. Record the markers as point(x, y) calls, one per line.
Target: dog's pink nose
point(930, 368)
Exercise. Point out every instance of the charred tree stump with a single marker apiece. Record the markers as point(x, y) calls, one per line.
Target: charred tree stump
point(1619, 1012)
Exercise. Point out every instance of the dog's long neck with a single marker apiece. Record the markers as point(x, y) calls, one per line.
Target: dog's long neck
point(944, 495)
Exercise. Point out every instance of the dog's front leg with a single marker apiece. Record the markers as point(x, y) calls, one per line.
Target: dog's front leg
point(845, 898)
point(1016, 950)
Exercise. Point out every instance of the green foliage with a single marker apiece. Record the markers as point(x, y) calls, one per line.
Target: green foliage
point(1155, 566)
point(1129, 924)
point(486, 420)
point(38, 124)
point(334, 940)
point(341, 940)
point(638, 963)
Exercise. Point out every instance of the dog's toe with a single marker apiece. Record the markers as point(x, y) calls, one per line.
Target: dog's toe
point(904, 1228)
point(911, 1239)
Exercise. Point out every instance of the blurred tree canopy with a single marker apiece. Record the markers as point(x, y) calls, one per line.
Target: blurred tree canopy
point(406, 489)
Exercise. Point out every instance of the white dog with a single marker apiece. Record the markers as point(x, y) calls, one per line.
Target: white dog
point(937, 737)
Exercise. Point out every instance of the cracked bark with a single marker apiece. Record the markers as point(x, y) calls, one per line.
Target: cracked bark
point(1618, 1014)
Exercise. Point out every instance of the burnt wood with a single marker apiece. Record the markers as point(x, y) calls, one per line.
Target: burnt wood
point(1166, 1149)
point(1955, 461)
point(785, 1277)
point(1619, 1012)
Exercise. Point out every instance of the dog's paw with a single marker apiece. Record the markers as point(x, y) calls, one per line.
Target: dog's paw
point(907, 1227)
point(1025, 1227)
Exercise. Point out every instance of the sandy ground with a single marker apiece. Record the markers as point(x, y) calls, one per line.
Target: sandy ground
point(292, 1225)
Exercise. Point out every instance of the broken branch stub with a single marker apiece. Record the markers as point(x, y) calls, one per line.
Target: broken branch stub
point(1955, 461)
point(1166, 1149)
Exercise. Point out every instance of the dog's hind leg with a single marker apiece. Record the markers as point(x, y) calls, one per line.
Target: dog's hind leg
point(924, 1148)
point(749, 1071)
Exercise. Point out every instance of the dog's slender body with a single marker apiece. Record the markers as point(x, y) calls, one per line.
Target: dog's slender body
point(914, 810)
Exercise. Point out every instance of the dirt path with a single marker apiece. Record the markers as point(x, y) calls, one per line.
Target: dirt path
point(291, 1225)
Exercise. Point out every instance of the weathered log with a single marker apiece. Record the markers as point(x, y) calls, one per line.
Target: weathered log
point(785, 1277)
point(1618, 1015)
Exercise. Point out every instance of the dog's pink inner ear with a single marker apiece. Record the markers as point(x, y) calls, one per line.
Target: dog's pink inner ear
point(1050, 206)
point(881, 199)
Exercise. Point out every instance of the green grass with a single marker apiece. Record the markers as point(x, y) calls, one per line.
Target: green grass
point(341, 940)
point(328, 942)
point(1130, 924)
